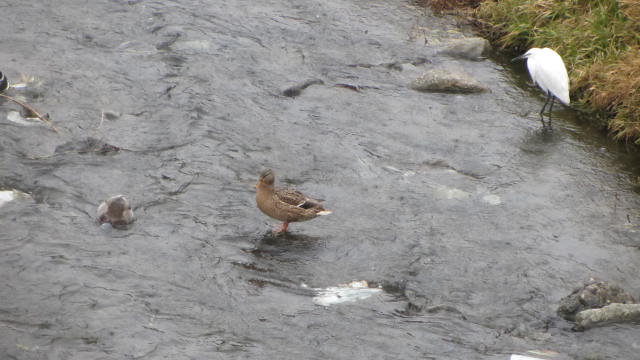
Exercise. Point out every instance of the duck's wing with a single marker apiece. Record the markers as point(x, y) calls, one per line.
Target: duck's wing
point(296, 198)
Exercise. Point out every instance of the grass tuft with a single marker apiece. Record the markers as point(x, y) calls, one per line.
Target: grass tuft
point(441, 6)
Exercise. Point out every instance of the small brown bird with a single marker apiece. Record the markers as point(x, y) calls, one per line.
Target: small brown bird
point(115, 211)
point(284, 204)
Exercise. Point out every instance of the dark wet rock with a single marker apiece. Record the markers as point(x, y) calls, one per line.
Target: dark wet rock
point(593, 295)
point(610, 314)
point(111, 115)
point(399, 65)
point(475, 48)
point(4, 83)
point(89, 145)
point(356, 88)
point(394, 65)
point(446, 80)
point(445, 308)
point(296, 90)
point(416, 303)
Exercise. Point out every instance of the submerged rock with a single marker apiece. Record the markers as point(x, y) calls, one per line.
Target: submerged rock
point(594, 294)
point(416, 303)
point(475, 48)
point(446, 80)
point(610, 314)
point(86, 146)
point(296, 90)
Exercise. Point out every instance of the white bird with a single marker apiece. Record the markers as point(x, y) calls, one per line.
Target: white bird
point(547, 70)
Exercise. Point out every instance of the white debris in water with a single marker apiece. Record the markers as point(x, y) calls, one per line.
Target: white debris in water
point(391, 168)
point(16, 117)
point(198, 45)
point(10, 195)
point(5, 197)
point(522, 357)
point(492, 199)
point(353, 291)
point(452, 193)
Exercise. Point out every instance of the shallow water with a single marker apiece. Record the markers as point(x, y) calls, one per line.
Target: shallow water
point(472, 220)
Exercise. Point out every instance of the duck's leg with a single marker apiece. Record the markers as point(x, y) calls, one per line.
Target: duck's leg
point(281, 229)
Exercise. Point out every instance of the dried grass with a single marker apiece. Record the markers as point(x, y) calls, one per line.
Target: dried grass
point(441, 6)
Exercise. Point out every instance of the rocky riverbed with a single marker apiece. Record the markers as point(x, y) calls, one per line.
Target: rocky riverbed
point(457, 225)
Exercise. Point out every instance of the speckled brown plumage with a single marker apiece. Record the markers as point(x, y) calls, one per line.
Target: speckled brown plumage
point(116, 211)
point(285, 204)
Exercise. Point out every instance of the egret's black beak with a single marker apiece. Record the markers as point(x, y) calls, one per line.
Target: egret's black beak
point(518, 58)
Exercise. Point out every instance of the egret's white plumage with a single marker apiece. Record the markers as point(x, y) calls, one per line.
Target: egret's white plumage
point(547, 70)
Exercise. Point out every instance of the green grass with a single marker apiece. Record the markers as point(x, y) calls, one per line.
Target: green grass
point(599, 41)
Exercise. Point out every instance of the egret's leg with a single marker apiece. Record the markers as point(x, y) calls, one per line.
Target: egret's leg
point(551, 109)
point(542, 110)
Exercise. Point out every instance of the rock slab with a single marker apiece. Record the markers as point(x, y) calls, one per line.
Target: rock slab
point(610, 314)
point(448, 81)
point(475, 48)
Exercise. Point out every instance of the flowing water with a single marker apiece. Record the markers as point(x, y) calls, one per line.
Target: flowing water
point(468, 222)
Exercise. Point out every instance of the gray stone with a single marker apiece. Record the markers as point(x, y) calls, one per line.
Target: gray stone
point(446, 80)
point(475, 48)
point(594, 294)
point(610, 314)
point(89, 145)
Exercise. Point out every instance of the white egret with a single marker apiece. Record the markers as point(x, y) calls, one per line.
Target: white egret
point(547, 70)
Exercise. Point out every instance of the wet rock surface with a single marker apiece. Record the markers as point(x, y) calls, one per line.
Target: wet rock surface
point(448, 81)
point(611, 314)
point(461, 199)
point(473, 48)
point(89, 145)
point(594, 294)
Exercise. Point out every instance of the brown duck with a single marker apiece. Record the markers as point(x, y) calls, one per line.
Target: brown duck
point(286, 205)
point(116, 211)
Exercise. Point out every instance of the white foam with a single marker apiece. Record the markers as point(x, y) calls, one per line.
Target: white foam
point(197, 45)
point(452, 193)
point(492, 199)
point(353, 291)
